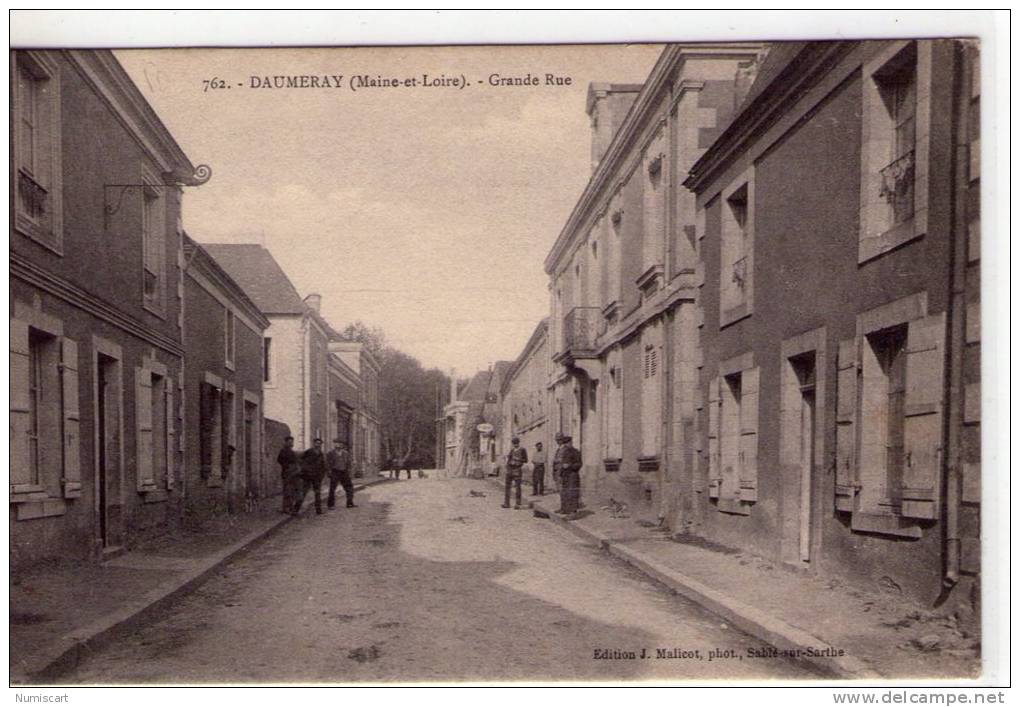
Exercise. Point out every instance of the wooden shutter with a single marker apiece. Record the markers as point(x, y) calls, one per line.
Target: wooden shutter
point(714, 411)
point(171, 428)
point(922, 424)
point(143, 429)
point(72, 418)
point(846, 427)
point(749, 380)
point(20, 460)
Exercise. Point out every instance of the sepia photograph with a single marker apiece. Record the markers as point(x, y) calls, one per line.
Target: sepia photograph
point(495, 362)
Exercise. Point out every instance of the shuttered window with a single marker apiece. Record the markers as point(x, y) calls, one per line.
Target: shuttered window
point(733, 440)
point(45, 440)
point(889, 426)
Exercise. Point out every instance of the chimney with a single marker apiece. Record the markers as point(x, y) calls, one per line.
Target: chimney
point(314, 301)
point(453, 385)
point(607, 106)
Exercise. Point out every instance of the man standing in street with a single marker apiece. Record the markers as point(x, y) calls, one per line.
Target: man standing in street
point(290, 474)
point(313, 471)
point(568, 459)
point(339, 462)
point(515, 459)
point(538, 475)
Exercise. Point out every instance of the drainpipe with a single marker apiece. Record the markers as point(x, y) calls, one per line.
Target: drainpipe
point(957, 312)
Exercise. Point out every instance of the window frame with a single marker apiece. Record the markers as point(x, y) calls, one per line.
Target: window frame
point(48, 234)
point(736, 237)
point(154, 239)
point(879, 231)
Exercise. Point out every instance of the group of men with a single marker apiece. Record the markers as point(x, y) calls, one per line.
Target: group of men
point(566, 468)
point(305, 472)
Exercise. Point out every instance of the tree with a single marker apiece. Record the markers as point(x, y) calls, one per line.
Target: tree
point(409, 397)
point(374, 338)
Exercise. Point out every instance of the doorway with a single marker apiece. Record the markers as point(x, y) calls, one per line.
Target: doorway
point(107, 447)
point(804, 369)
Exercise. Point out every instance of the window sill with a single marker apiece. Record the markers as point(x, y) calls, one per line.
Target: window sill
point(649, 463)
point(48, 240)
point(889, 240)
point(733, 315)
point(154, 310)
point(43, 508)
point(885, 524)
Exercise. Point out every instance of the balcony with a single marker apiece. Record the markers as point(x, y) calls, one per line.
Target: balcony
point(580, 329)
point(898, 187)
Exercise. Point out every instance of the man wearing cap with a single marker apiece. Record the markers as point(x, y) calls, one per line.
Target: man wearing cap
point(538, 474)
point(313, 471)
point(568, 461)
point(515, 459)
point(339, 462)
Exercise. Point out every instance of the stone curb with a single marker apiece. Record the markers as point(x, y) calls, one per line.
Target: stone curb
point(68, 652)
point(748, 619)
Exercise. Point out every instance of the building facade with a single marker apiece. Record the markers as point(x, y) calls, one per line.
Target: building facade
point(839, 337)
point(623, 275)
point(525, 396)
point(367, 445)
point(96, 309)
point(223, 430)
point(296, 342)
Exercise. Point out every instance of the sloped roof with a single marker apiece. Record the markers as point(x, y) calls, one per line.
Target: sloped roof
point(257, 272)
point(779, 55)
point(475, 390)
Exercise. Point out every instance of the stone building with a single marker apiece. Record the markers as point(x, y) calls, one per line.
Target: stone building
point(462, 416)
point(623, 276)
point(223, 426)
point(367, 442)
point(525, 396)
point(838, 322)
point(344, 400)
point(296, 341)
point(95, 311)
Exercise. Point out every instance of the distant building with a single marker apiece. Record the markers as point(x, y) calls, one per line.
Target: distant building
point(463, 414)
point(296, 341)
point(367, 442)
point(525, 395)
point(96, 353)
point(223, 411)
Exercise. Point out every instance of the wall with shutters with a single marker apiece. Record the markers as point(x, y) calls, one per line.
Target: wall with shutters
point(65, 522)
point(807, 182)
point(213, 493)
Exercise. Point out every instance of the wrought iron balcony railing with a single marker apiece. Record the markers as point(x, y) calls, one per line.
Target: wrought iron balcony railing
point(31, 195)
point(898, 187)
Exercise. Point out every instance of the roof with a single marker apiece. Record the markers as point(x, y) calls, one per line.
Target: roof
point(779, 55)
point(476, 389)
point(199, 257)
point(259, 275)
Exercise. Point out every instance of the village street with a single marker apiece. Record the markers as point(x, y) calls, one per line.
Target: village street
point(426, 581)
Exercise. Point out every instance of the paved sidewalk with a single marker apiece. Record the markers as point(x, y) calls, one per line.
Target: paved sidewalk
point(60, 611)
point(848, 632)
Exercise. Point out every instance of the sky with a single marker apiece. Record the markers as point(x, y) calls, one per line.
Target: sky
point(425, 211)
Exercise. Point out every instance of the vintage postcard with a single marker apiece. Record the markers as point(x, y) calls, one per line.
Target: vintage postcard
point(497, 364)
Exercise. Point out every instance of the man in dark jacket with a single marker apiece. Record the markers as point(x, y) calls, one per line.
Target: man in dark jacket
point(313, 471)
point(290, 474)
point(339, 462)
point(568, 462)
point(515, 459)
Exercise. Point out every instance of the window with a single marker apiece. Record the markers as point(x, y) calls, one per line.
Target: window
point(733, 436)
point(38, 206)
point(229, 340)
point(154, 419)
point(895, 125)
point(267, 360)
point(737, 252)
point(889, 412)
point(210, 433)
point(651, 395)
point(153, 242)
point(654, 211)
point(45, 452)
